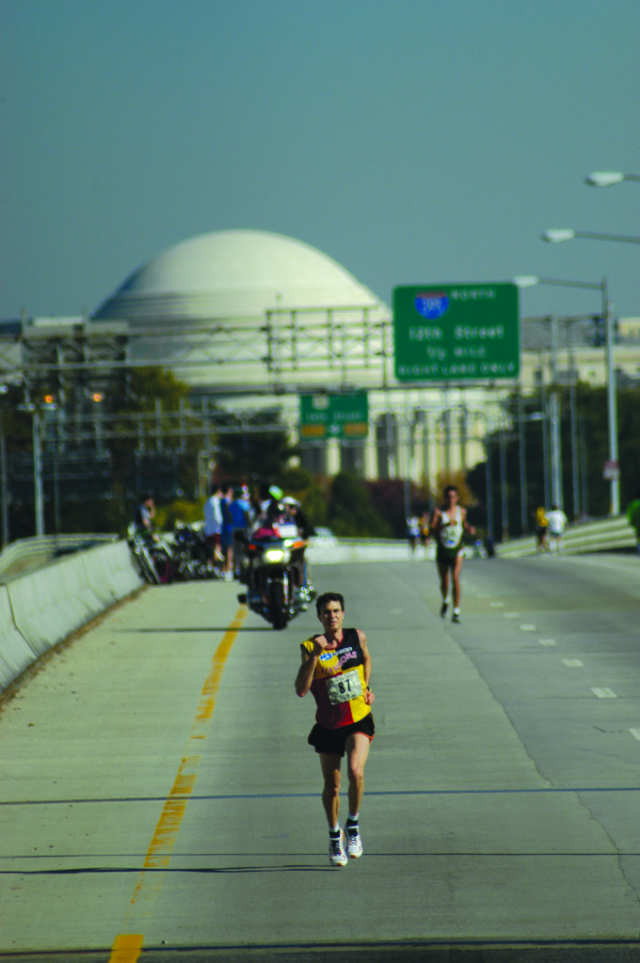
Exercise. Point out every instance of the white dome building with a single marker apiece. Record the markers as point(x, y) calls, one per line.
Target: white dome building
point(233, 274)
point(243, 316)
point(238, 310)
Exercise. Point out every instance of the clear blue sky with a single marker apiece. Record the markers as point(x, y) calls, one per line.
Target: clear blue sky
point(411, 140)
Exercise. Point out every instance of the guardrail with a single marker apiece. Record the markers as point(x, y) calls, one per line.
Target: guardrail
point(599, 535)
point(29, 552)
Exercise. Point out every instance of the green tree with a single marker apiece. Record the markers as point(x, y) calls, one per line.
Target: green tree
point(593, 445)
point(254, 449)
point(350, 512)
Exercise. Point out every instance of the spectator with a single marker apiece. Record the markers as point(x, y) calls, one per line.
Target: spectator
point(556, 520)
point(213, 527)
point(226, 538)
point(541, 530)
point(239, 511)
point(633, 515)
point(144, 515)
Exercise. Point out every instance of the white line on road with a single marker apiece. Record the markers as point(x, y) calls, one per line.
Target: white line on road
point(635, 733)
point(547, 641)
point(604, 693)
point(528, 628)
point(574, 663)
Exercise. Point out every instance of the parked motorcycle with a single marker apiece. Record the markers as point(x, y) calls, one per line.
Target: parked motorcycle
point(154, 558)
point(273, 569)
point(189, 554)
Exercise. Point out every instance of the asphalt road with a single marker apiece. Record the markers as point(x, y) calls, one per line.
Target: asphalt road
point(158, 800)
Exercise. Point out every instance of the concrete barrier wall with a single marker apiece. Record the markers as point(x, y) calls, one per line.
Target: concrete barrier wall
point(110, 572)
point(599, 535)
point(41, 608)
point(16, 654)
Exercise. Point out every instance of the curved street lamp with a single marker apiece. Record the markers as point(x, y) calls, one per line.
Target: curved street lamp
point(556, 235)
point(608, 178)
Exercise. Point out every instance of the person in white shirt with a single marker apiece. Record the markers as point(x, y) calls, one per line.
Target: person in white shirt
point(213, 526)
point(557, 521)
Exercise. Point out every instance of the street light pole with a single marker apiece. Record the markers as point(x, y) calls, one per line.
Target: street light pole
point(612, 403)
point(37, 474)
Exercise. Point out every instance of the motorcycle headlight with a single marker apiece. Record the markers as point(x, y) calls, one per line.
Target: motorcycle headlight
point(277, 555)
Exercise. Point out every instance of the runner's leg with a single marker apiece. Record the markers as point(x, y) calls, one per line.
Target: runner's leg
point(456, 581)
point(357, 747)
point(330, 765)
point(443, 570)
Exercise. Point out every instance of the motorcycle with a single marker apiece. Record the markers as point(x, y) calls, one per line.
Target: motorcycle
point(154, 558)
point(189, 554)
point(274, 571)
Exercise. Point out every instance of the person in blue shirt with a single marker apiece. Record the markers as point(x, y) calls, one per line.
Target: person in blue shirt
point(240, 517)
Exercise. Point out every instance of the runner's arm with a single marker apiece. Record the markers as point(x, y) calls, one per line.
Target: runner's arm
point(436, 522)
point(467, 527)
point(306, 671)
point(366, 664)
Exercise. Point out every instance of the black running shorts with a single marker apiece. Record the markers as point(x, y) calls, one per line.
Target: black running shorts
point(448, 556)
point(331, 741)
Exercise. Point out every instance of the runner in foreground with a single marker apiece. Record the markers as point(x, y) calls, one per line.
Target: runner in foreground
point(336, 667)
point(448, 526)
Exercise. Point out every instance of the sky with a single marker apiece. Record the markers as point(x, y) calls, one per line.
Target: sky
point(413, 141)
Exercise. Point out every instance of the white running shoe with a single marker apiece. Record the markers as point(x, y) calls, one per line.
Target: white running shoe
point(354, 842)
point(337, 855)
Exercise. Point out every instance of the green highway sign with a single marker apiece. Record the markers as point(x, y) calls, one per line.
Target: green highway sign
point(456, 332)
point(334, 416)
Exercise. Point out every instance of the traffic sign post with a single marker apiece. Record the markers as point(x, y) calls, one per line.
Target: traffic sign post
point(456, 332)
point(334, 416)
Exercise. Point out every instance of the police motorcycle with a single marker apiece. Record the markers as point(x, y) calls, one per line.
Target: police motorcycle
point(273, 569)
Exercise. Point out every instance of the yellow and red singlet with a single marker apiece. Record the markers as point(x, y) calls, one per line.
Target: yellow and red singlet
point(339, 684)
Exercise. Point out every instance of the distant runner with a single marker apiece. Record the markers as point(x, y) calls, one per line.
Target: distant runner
point(336, 667)
point(448, 526)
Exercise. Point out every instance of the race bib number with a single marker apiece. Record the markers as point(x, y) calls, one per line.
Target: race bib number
point(341, 688)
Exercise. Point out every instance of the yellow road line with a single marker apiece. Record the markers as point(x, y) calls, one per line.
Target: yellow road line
point(128, 946)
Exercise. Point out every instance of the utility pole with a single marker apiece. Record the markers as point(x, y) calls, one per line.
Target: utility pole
point(37, 473)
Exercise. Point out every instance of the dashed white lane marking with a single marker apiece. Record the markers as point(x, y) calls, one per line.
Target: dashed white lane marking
point(547, 641)
point(498, 605)
point(573, 663)
point(604, 693)
point(528, 628)
point(511, 615)
point(635, 733)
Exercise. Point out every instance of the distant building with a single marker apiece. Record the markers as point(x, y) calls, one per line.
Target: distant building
point(251, 319)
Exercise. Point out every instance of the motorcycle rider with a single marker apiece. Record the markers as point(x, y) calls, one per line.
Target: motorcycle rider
point(305, 530)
